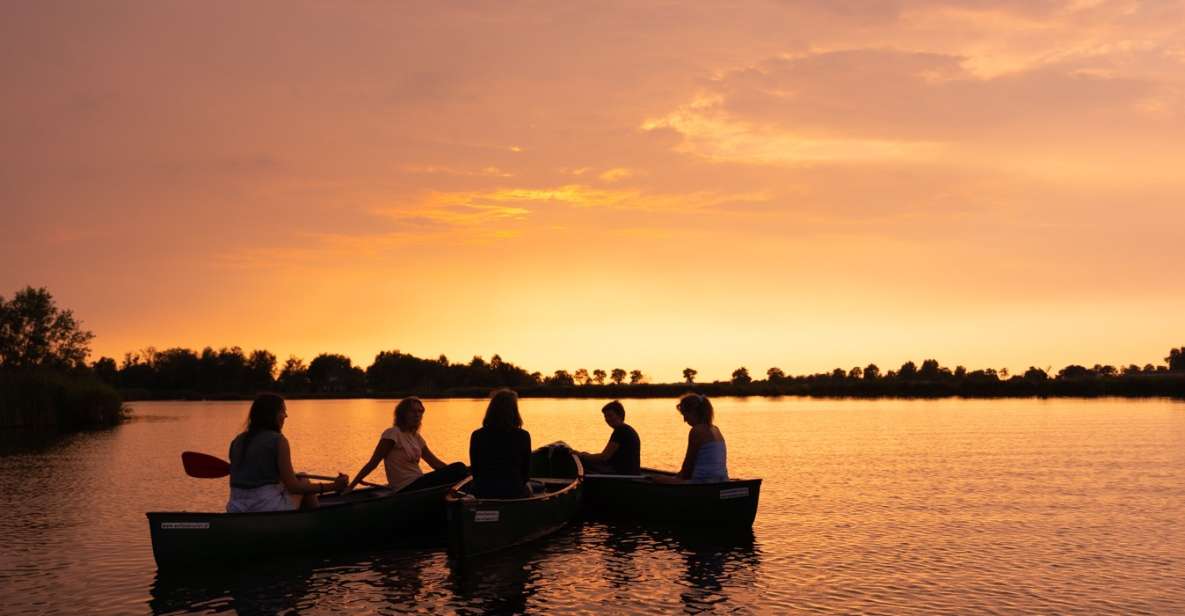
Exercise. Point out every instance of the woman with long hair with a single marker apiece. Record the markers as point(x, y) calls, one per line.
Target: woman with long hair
point(500, 450)
point(400, 449)
point(706, 459)
point(261, 475)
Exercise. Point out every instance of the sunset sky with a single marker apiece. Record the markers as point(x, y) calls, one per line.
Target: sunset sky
point(649, 185)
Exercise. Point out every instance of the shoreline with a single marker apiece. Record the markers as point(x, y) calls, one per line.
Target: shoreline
point(1171, 386)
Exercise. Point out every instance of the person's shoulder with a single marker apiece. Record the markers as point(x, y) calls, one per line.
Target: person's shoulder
point(629, 429)
point(391, 434)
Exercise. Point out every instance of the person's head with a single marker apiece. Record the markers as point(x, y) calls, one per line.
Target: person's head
point(614, 413)
point(696, 409)
point(267, 413)
point(409, 414)
point(502, 413)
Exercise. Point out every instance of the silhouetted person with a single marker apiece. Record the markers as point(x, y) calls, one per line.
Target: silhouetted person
point(261, 475)
point(400, 449)
point(623, 453)
point(500, 451)
point(706, 457)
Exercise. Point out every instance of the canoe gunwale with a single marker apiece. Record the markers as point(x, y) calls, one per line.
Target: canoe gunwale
point(225, 515)
point(455, 495)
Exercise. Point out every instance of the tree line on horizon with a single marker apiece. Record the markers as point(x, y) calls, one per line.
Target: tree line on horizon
point(35, 335)
point(231, 370)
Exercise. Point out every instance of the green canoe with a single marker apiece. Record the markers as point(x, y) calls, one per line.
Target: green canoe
point(725, 504)
point(361, 518)
point(482, 525)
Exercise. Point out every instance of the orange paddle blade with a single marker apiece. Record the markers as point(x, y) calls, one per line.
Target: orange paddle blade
point(204, 466)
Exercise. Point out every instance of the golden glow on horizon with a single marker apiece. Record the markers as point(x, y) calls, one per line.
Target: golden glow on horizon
point(770, 184)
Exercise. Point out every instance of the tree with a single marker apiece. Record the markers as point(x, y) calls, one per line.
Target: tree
point(839, 373)
point(35, 333)
point(960, 372)
point(740, 376)
point(1035, 374)
point(689, 375)
point(560, 378)
point(106, 370)
point(1003, 372)
point(775, 375)
point(1074, 371)
point(581, 376)
point(599, 376)
point(617, 376)
point(908, 371)
point(871, 372)
point(331, 372)
point(636, 377)
point(856, 373)
point(929, 370)
point(294, 376)
point(1176, 359)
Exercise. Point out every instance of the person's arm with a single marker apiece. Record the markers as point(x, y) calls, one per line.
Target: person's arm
point(296, 485)
point(526, 451)
point(431, 459)
point(610, 449)
point(694, 440)
point(474, 465)
point(380, 452)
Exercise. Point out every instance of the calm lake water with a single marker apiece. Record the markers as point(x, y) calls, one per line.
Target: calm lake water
point(1067, 506)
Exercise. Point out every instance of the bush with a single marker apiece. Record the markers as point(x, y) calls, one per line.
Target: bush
point(51, 400)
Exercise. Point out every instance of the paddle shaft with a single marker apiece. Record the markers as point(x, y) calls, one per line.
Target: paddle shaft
point(328, 478)
point(206, 466)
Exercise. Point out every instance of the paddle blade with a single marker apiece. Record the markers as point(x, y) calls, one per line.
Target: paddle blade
point(204, 466)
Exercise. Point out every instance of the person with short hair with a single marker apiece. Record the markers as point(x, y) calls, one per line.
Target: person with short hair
point(623, 453)
point(261, 475)
point(706, 457)
point(500, 450)
point(400, 449)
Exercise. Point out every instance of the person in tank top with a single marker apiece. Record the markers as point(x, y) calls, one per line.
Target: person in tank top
point(261, 475)
point(706, 457)
point(400, 449)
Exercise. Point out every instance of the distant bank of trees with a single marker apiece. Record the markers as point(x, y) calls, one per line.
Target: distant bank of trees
point(231, 372)
point(46, 381)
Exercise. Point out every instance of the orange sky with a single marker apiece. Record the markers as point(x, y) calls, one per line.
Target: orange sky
point(640, 185)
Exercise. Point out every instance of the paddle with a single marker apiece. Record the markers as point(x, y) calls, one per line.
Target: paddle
point(206, 466)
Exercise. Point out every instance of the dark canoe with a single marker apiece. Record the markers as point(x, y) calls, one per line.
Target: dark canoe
point(482, 525)
point(731, 504)
point(362, 518)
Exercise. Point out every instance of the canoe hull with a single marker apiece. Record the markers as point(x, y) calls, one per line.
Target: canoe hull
point(364, 518)
point(480, 526)
point(731, 504)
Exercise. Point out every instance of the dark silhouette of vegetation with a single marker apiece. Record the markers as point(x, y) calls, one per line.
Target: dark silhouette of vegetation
point(36, 334)
point(228, 372)
point(44, 380)
point(45, 375)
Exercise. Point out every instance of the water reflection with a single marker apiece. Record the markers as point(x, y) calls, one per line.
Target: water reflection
point(946, 506)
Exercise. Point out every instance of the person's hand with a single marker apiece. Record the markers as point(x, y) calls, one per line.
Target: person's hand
point(341, 483)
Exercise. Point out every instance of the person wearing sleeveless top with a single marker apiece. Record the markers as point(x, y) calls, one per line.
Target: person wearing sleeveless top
point(261, 475)
point(706, 459)
point(400, 449)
